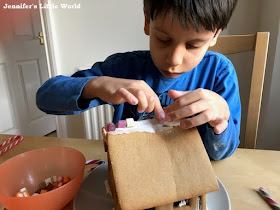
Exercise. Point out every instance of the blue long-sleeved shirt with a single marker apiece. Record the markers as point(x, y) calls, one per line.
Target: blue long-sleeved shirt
point(60, 95)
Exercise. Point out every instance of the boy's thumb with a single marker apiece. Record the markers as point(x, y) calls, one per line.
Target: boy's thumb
point(174, 94)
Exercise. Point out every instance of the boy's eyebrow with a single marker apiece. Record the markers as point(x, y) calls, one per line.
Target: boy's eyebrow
point(193, 40)
point(198, 40)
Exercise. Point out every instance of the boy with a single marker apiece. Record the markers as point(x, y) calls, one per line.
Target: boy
point(193, 85)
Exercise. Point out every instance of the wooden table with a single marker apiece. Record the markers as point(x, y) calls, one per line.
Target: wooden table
point(241, 174)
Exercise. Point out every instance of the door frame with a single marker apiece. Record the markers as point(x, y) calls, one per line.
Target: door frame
point(45, 15)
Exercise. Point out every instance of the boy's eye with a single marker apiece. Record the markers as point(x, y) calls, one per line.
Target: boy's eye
point(164, 41)
point(189, 46)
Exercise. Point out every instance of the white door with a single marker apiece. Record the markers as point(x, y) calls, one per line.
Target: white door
point(23, 69)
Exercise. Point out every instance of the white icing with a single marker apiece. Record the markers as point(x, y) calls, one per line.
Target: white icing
point(198, 204)
point(149, 126)
point(182, 203)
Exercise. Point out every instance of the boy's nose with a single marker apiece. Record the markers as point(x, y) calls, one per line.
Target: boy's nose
point(175, 56)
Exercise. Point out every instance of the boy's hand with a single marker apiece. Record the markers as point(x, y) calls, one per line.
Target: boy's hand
point(197, 107)
point(117, 91)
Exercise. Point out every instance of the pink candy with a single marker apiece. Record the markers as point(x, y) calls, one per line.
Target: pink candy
point(110, 127)
point(60, 179)
point(122, 124)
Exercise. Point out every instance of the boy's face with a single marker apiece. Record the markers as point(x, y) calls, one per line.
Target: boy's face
point(175, 50)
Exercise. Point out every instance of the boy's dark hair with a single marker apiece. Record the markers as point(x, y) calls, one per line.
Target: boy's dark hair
point(208, 14)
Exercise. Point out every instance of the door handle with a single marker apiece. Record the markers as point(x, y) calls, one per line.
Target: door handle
point(41, 38)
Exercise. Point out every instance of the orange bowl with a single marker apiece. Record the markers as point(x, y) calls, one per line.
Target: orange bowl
point(29, 169)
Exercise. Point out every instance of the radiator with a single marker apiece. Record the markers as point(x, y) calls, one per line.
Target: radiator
point(95, 119)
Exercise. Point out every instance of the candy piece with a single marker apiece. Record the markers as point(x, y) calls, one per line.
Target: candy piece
point(43, 191)
point(48, 180)
point(49, 187)
point(38, 191)
point(42, 185)
point(110, 127)
point(121, 124)
point(66, 179)
point(19, 195)
point(24, 192)
point(52, 183)
point(60, 179)
point(129, 122)
point(59, 184)
point(54, 179)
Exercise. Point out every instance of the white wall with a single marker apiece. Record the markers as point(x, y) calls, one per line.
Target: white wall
point(269, 129)
point(245, 19)
point(97, 30)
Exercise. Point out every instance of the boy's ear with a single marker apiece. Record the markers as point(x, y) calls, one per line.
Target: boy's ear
point(147, 25)
point(214, 40)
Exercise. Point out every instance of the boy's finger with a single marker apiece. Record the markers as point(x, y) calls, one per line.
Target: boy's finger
point(151, 104)
point(174, 94)
point(160, 114)
point(186, 98)
point(194, 121)
point(186, 111)
point(221, 127)
point(127, 96)
point(142, 100)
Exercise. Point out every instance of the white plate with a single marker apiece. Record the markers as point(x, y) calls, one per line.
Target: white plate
point(92, 193)
point(218, 200)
